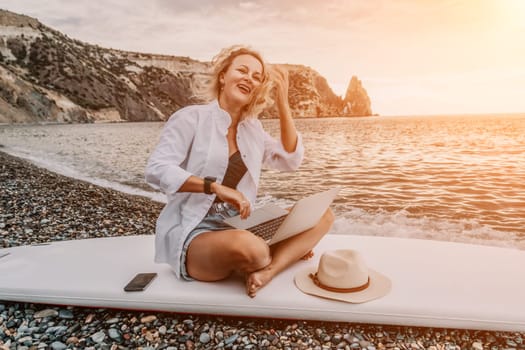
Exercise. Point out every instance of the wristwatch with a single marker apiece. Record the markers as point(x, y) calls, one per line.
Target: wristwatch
point(207, 184)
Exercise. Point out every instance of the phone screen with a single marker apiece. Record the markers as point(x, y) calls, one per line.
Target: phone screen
point(140, 282)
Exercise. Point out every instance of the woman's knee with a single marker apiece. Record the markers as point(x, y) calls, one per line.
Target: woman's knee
point(250, 252)
point(328, 217)
point(325, 223)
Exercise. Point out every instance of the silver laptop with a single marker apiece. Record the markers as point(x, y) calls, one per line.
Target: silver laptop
point(275, 224)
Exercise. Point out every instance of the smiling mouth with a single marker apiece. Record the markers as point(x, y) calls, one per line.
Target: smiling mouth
point(244, 89)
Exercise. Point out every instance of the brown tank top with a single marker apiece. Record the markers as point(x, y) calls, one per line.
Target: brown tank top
point(234, 173)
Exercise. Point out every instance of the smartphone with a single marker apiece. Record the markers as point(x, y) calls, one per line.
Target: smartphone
point(140, 282)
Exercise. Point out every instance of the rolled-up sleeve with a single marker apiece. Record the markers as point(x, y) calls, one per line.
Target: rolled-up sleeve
point(276, 157)
point(163, 170)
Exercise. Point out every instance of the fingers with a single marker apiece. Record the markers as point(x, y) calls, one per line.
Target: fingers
point(278, 69)
point(244, 209)
point(279, 76)
point(278, 73)
point(235, 198)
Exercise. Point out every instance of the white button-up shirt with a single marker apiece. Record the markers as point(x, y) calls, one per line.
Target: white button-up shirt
point(193, 142)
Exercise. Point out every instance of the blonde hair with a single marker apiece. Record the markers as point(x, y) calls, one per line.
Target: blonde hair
point(220, 64)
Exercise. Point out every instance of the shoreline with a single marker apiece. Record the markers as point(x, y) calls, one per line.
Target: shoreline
point(105, 121)
point(39, 206)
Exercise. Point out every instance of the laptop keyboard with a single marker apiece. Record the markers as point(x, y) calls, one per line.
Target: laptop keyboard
point(267, 229)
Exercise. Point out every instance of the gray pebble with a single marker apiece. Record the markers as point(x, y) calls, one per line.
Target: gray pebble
point(231, 339)
point(57, 345)
point(65, 314)
point(113, 320)
point(23, 329)
point(204, 338)
point(336, 339)
point(189, 324)
point(27, 340)
point(56, 330)
point(114, 334)
point(75, 327)
point(98, 337)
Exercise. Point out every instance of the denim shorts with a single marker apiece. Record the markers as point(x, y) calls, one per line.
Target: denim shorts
point(213, 221)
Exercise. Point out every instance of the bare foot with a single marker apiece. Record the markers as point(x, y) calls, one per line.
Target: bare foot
point(308, 255)
point(258, 279)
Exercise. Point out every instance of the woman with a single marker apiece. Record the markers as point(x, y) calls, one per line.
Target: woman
point(208, 162)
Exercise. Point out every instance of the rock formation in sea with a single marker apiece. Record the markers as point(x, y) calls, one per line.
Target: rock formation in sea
point(45, 76)
point(356, 101)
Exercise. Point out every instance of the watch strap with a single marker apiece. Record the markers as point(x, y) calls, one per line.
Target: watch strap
point(208, 180)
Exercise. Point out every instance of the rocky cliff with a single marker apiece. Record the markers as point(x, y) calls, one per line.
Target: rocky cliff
point(46, 76)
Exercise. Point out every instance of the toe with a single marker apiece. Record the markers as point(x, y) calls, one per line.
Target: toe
point(308, 255)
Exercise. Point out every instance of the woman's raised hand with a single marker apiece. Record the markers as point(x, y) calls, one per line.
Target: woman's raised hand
point(279, 76)
point(289, 136)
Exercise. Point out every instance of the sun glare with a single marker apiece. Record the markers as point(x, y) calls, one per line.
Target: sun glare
point(514, 10)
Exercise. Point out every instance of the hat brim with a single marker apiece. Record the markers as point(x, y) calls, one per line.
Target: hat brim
point(379, 286)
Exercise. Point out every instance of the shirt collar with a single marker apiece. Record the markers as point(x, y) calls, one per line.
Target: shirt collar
point(223, 116)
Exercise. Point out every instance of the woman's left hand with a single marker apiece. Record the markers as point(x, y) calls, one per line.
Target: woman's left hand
point(279, 76)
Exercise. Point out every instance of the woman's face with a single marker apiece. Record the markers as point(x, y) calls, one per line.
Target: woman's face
point(241, 79)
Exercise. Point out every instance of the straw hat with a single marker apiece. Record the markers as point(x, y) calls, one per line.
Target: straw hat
point(343, 275)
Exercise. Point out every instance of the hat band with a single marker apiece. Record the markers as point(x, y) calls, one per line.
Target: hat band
point(338, 290)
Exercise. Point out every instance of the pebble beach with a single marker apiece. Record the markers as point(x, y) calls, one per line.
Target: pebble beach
point(38, 206)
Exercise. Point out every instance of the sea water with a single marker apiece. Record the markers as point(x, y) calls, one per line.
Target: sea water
point(454, 178)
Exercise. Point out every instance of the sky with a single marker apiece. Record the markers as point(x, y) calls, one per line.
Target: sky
point(414, 57)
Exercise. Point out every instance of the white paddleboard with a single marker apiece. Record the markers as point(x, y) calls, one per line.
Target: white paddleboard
point(436, 284)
